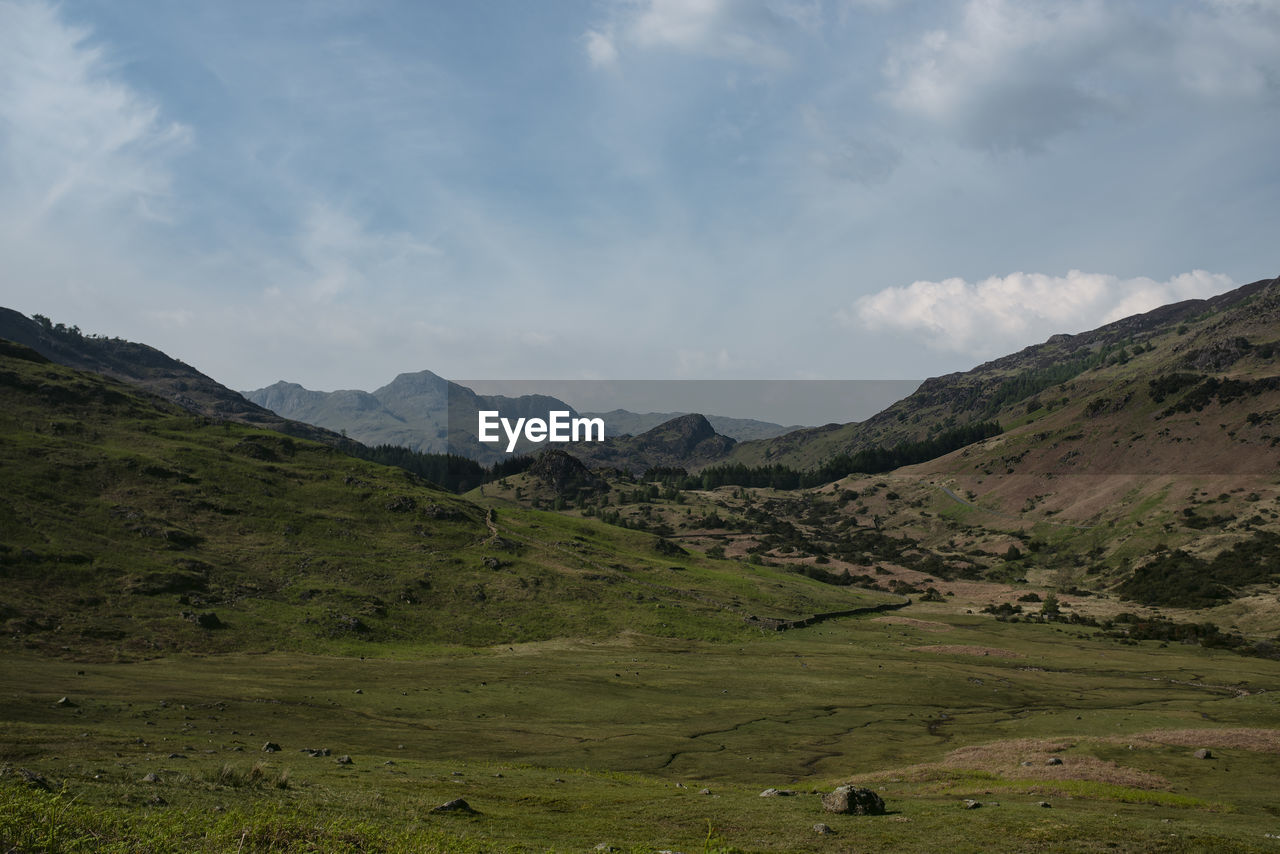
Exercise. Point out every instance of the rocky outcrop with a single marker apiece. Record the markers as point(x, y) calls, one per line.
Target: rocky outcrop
point(563, 473)
point(848, 800)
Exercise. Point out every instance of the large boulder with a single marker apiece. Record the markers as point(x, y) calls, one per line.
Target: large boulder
point(853, 801)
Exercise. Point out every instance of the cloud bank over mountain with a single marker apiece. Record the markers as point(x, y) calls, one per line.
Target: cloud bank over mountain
point(1001, 313)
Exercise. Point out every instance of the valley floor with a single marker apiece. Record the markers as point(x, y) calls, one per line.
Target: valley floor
point(647, 744)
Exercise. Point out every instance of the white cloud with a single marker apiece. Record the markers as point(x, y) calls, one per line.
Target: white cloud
point(725, 29)
point(1009, 75)
point(1004, 313)
point(1014, 75)
point(863, 158)
point(74, 138)
point(601, 50)
point(1231, 51)
point(677, 23)
point(340, 254)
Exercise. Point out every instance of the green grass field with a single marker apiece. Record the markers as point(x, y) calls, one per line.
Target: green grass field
point(563, 745)
point(578, 683)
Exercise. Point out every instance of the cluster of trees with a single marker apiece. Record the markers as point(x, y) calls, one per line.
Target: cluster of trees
point(454, 473)
point(1129, 627)
point(867, 461)
point(1224, 390)
point(1181, 580)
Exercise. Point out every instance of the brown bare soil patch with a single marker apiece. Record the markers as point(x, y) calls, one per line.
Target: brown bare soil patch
point(957, 649)
point(926, 625)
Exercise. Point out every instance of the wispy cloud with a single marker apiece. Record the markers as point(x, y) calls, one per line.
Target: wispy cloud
point(1003, 313)
point(739, 30)
point(1015, 75)
point(75, 140)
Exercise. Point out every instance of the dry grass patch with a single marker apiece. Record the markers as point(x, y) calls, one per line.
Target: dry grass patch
point(1253, 740)
point(959, 649)
point(925, 625)
point(1004, 760)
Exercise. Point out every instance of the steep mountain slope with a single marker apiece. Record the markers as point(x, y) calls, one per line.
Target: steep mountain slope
point(149, 369)
point(1201, 337)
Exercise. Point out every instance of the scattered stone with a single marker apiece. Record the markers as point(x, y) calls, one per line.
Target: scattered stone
point(1054, 760)
point(316, 752)
point(822, 829)
point(704, 791)
point(344, 759)
point(151, 777)
point(853, 801)
point(776, 793)
point(209, 620)
point(65, 703)
point(1027, 763)
point(34, 780)
point(455, 773)
point(456, 805)
point(970, 804)
point(176, 756)
point(389, 762)
point(359, 690)
point(270, 747)
point(1203, 753)
point(1044, 804)
point(157, 801)
point(605, 846)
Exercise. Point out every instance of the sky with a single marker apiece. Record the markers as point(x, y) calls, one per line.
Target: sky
point(334, 192)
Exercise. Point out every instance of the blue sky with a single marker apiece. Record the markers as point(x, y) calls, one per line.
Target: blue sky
point(335, 192)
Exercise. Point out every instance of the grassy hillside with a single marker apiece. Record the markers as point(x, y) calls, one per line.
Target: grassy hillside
point(125, 521)
point(1080, 379)
point(148, 369)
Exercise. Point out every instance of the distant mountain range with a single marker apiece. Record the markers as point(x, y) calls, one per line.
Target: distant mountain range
point(1121, 382)
point(429, 414)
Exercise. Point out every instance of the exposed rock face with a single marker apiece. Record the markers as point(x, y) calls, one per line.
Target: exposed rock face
point(849, 800)
point(563, 472)
point(207, 620)
point(1219, 355)
point(688, 441)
